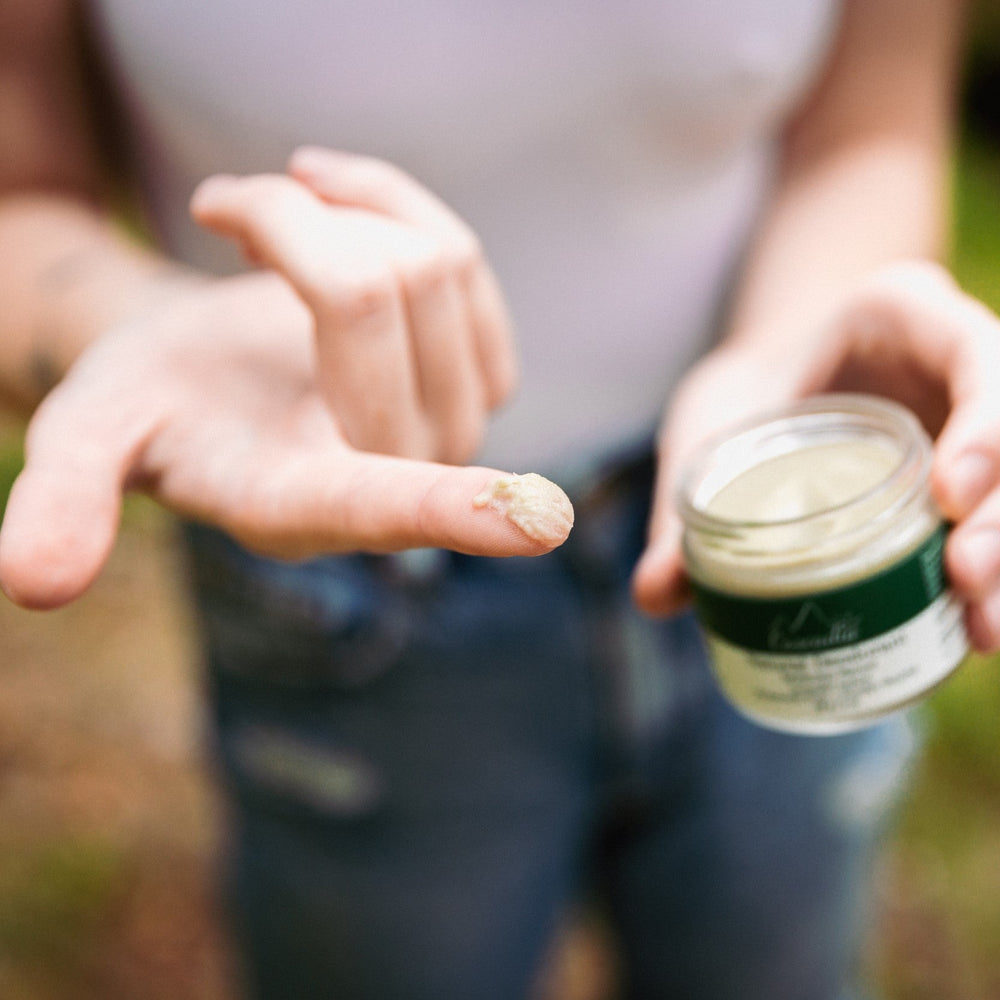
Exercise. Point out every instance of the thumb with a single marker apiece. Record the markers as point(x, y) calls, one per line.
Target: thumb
point(58, 530)
point(721, 391)
point(63, 511)
point(967, 451)
point(659, 583)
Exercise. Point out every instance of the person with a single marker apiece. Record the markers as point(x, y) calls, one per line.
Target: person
point(693, 211)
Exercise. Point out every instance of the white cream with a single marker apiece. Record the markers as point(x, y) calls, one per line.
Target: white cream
point(533, 503)
point(805, 481)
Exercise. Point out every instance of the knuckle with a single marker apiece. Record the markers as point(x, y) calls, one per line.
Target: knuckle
point(426, 269)
point(430, 263)
point(905, 282)
point(373, 176)
point(348, 298)
point(467, 253)
point(267, 195)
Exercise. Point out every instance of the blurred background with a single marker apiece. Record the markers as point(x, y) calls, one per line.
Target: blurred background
point(108, 822)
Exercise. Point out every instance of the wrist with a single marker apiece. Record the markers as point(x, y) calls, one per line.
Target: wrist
point(92, 291)
point(69, 274)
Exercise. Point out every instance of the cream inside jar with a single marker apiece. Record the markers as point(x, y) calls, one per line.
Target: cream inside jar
point(815, 554)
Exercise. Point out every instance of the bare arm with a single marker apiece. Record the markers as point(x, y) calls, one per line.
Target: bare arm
point(863, 172)
point(69, 272)
point(863, 184)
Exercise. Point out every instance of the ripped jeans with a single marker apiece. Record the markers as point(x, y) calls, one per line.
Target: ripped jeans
point(430, 757)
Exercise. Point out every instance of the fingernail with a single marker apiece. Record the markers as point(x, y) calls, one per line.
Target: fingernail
point(969, 481)
point(979, 557)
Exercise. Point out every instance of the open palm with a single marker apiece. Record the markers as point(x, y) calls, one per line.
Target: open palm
point(233, 402)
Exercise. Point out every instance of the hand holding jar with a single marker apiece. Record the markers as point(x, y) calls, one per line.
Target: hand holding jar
point(910, 335)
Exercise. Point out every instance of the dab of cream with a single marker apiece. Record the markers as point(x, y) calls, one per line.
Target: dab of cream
point(536, 505)
point(806, 481)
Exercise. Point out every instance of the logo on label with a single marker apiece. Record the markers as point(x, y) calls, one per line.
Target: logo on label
point(812, 629)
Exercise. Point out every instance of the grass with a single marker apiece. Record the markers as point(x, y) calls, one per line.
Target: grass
point(975, 257)
point(53, 896)
point(940, 938)
point(11, 460)
point(963, 714)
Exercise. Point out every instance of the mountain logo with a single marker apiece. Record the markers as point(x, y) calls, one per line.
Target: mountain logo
point(812, 629)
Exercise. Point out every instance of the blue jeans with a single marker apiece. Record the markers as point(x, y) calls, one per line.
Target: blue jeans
point(431, 756)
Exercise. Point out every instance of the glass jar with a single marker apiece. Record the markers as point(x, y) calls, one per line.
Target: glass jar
point(815, 556)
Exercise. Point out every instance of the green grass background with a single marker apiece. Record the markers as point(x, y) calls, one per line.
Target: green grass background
point(945, 943)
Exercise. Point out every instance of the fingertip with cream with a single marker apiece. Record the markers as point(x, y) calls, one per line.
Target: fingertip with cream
point(532, 503)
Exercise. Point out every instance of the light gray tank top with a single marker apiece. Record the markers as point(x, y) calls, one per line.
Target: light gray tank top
point(612, 157)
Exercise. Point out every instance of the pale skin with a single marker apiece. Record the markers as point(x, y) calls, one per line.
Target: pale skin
point(329, 401)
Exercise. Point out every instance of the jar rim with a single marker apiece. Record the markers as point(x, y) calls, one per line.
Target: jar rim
point(836, 414)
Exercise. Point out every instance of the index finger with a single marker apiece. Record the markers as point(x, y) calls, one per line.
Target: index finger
point(343, 500)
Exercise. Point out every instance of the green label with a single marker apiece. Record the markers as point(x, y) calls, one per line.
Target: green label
point(829, 619)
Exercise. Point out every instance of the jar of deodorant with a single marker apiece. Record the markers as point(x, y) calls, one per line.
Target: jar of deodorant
point(815, 555)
